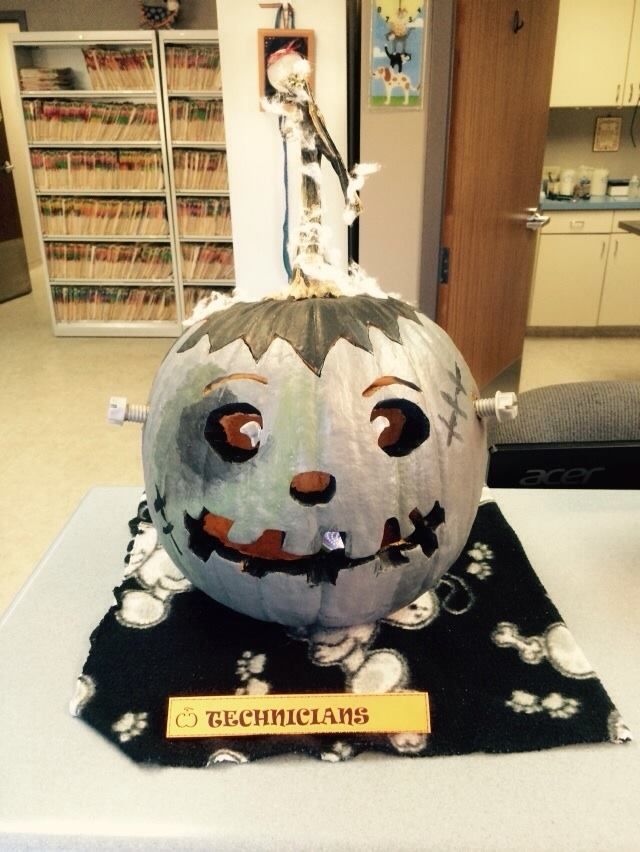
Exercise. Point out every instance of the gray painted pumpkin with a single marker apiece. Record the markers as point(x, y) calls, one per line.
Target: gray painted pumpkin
point(314, 461)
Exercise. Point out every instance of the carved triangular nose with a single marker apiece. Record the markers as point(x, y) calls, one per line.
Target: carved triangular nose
point(312, 487)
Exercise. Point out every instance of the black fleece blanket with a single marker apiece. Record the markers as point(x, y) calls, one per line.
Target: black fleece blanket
point(502, 670)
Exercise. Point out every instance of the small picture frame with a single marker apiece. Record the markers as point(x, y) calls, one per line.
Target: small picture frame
point(606, 136)
point(270, 41)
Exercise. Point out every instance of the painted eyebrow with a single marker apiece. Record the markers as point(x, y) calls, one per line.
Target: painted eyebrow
point(232, 377)
point(385, 381)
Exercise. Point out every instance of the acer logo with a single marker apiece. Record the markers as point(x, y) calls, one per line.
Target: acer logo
point(559, 476)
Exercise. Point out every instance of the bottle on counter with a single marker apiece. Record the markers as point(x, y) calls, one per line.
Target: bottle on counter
point(634, 187)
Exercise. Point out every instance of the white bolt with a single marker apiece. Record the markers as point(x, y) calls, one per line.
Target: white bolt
point(119, 411)
point(503, 406)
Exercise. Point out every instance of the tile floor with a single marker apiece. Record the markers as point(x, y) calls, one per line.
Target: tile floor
point(55, 443)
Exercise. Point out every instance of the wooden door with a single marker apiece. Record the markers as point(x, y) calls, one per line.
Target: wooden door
point(9, 217)
point(503, 60)
point(14, 271)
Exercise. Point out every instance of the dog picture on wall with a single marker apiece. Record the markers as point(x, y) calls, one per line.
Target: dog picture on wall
point(397, 54)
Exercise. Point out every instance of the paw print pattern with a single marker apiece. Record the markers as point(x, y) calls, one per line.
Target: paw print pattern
point(130, 725)
point(481, 554)
point(555, 705)
point(339, 751)
point(559, 706)
point(523, 702)
point(248, 666)
point(556, 645)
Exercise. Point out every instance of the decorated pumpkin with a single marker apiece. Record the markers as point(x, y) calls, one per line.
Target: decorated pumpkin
point(314, 458)
point(314, 461)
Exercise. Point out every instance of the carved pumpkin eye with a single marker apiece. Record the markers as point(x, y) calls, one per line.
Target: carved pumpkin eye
point(408, 426)
point(233, 431)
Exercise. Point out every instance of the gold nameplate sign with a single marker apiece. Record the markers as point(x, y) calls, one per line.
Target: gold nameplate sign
point(248, 715)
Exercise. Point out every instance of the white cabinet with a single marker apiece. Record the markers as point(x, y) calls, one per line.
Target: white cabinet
point(568, 279)
point(621, 292)
point(632, 88)
point(587, 272)
point(594, 65)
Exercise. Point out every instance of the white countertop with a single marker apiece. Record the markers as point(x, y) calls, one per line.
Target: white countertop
point(64, 787)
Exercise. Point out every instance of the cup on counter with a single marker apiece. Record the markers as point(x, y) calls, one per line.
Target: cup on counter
point(599, 181)
point(567, 181)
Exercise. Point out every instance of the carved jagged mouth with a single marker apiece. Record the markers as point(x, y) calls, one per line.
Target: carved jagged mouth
point(208, 534)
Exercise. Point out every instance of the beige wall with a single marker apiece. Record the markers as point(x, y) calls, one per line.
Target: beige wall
point(570, 141)
point(255, 155)
point(391, 224)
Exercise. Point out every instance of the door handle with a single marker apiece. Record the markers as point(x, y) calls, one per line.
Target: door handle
point(536, 220)
point(7, 167)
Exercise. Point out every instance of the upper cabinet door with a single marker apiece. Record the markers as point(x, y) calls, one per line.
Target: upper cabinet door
point(632, 89)
point(592, 47)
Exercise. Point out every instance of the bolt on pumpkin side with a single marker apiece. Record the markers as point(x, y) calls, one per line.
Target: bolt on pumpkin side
point(314, 458)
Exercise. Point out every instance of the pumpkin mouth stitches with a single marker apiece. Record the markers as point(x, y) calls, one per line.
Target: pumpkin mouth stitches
point(208, 534)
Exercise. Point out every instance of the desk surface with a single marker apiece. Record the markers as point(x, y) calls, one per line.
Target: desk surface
point(63, 787)
point(632, 226)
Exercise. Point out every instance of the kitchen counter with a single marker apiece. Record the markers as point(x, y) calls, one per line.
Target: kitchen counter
point(603, 202)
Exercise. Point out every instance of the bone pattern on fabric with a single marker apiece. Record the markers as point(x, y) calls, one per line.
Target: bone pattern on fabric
point(529, 687)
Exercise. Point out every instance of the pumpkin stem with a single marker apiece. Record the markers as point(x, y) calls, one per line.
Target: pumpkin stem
point(312, 270)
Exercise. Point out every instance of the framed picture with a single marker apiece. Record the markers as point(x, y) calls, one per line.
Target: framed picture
point(396, 62)
point(270, 41)
point(606, 136)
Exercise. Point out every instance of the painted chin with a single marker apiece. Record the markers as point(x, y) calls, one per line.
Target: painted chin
point(208, 534)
